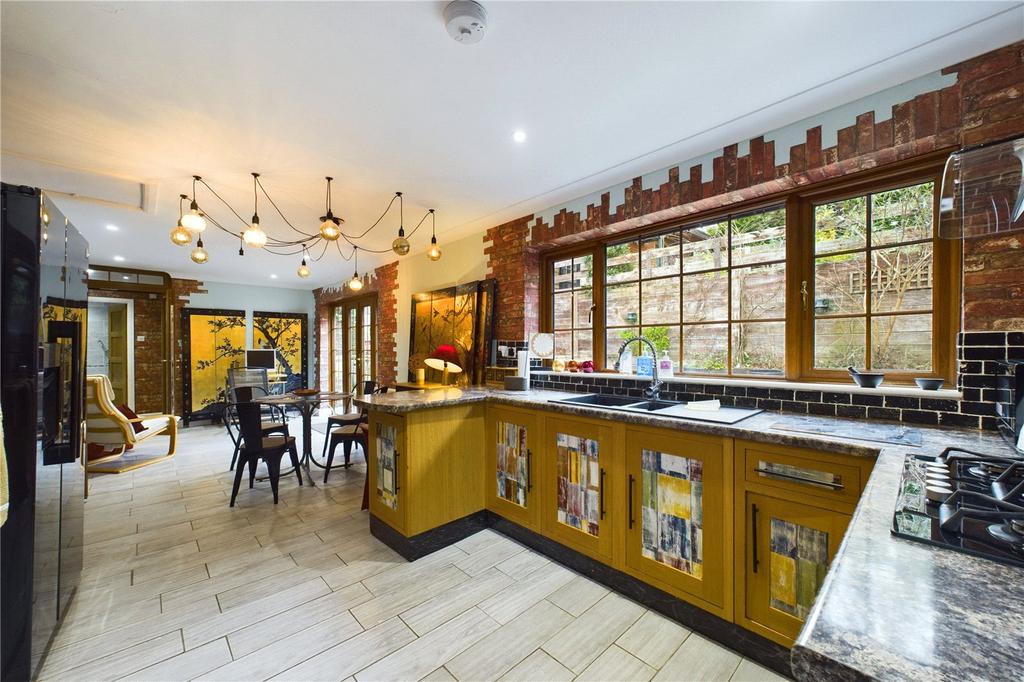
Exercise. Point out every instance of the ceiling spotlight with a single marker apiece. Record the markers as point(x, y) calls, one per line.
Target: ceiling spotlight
point(112, 228)
point(194, 220)
point(519, 136)
point(272, 276)
point(401, 245)
point(119, 259)
point(466, 21)
point(254, 235)
point(180, 236)
point(199, 254)
point(330, 225)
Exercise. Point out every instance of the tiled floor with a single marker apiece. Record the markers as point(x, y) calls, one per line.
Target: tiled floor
point(179, 586)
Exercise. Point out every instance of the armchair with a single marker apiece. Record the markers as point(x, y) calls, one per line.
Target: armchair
point(106, 426)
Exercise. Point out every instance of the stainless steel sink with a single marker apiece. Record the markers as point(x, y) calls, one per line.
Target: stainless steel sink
point(661, 408)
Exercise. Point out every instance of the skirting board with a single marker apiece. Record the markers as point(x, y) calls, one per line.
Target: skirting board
point(744, 642)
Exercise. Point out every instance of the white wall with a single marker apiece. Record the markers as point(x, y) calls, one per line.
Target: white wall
point(461, 261)
point(268, 299)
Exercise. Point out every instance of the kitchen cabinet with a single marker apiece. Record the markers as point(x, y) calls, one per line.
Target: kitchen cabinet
point(579, 474)
point(512, 437)
point(387, 470)
point(679, 506)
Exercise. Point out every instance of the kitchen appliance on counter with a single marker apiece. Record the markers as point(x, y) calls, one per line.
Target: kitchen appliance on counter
point(964, 501)
point(1010, 401)
point(43, 303)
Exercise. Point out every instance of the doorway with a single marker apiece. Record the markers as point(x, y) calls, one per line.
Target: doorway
point(110, 350)
point(353, 343)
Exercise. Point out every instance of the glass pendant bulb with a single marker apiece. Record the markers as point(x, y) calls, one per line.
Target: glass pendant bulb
point(434, 252)
point(254, 235)
point(181, 236)
point(355, 284)
point(194, 220)
point(329, 230)
point(199, 254)
point(401, 244)
point(303, 270)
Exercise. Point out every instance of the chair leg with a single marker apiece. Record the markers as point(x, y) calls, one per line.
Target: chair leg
point(238, 481)
point(330, 457)
point(253, 463)
point(295, 462)
point(274, 470)
point(348, 452)
point(234, 456)
point(327, 439)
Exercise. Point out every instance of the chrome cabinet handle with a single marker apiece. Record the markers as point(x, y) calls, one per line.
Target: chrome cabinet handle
point(601, 494)
point(753, 534)
point(799, 479)
point(630, 495)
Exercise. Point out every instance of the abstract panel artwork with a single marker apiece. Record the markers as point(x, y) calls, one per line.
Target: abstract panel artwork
point(461, 316)
point(798, 563)
point(214, 340)
point(387, 474)
point(579, 483)
point(512, 467)
point(286, 334)
point(672, 511)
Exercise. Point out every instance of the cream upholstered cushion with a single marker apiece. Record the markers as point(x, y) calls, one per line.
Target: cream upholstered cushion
point(106, 425)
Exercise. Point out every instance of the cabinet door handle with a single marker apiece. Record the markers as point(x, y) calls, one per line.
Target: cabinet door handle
point(529, 470)
point(799, 479)
point(396, 473)
point(600, 494)
point(629, 490)
point(753, 534)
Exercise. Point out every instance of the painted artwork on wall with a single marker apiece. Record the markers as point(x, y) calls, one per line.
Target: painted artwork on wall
point(579, 483)
point(672, 510)
point(213, 341)
point(513, 464)
point(798, 563)
point(463, 316)
point(387, 474)
point(286, 334)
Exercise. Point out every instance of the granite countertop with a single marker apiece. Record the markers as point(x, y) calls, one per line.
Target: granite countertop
point(889, 607)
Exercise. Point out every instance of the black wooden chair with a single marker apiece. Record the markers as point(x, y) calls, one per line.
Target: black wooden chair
point(345, 433)
point(272, 418)
point(257, 446)
point(344, 420)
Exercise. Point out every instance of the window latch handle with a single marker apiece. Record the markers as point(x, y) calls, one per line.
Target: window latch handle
point(803, 292)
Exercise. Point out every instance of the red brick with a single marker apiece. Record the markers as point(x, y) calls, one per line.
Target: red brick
point(814, 147)
point(926, 114)
point(866, 132)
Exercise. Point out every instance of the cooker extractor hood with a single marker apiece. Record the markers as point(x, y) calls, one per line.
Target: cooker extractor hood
point(983, 190)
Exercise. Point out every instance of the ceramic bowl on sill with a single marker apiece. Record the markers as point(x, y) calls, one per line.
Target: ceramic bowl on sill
point(866, 379)
point(929, 384)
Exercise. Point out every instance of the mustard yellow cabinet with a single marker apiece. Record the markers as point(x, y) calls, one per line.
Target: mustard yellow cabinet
point(510, 478)
point(387, 469)
point(679, 526)
point(789, 546)
point(579, 472)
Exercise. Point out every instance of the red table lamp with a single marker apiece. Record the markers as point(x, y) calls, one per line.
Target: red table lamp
point(446, 359)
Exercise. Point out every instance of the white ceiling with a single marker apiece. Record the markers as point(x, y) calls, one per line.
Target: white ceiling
point(378, 95)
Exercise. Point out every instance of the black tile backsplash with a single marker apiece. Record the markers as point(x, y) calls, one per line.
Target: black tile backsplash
point(978, 353)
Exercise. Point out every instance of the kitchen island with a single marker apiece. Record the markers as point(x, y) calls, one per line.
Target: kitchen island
point(887, 607)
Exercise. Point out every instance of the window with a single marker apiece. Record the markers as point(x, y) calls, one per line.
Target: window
point(848, 273)
point(872, 280)
point(712, 295)
point(572, 305)
point(353, 343)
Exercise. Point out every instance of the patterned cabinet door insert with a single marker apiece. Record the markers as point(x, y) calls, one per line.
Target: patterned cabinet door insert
point(672, 511)
point(579, 481)
point(797, 563)
point(513, 463)
point(387, 466)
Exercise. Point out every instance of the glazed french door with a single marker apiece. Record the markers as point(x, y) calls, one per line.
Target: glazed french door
point(353, 343)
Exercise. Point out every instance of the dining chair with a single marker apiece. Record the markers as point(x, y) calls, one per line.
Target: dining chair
point(275, 422)
point(257, 446)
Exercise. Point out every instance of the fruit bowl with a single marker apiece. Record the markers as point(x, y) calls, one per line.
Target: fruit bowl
point(306, 392)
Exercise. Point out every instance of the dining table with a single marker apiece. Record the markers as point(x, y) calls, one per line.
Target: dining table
point(307, 405)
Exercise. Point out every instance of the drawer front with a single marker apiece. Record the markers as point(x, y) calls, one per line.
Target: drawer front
point(819, 475)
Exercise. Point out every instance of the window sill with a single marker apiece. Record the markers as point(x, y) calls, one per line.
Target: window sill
point(908, 391)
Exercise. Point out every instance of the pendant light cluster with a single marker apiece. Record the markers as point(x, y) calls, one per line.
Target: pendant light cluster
point(194, 222)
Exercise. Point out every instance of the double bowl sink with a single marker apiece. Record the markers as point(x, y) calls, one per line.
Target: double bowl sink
point(661, 408)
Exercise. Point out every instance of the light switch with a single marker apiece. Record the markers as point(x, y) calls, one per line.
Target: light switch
point(140, 339)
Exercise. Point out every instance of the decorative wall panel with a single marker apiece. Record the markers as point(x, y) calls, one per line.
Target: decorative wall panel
point(387, 472)
point(579, 483)
point(798, 563)
point(671, 511)
point(212, 341)
point(285, 333)
point(512, 467)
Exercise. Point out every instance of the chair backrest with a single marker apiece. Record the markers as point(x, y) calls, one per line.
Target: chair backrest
point(104, 422)
point(246, 394)
point(248, 376)
point(249, 423)
point(365, 387)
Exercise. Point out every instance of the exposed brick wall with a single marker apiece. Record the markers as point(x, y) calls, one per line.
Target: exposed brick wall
point(515, 265)
point(181, 289)
point(384, 282)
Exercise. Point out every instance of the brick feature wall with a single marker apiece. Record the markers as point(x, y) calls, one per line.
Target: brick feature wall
point(181, 289)
point(984, 104)
point(385, 283)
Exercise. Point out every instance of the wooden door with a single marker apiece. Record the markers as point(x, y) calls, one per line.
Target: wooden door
point(387, 469)
point(512, 438)
point(117, 348)
point(354, 343)
point(679, 513)
point(789, 546)
point(579, 472)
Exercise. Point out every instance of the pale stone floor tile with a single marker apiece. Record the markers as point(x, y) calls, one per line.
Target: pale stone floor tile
point(616, 665)
point(439, 675)
point(748, 671)
point(584, 639)
point(522, 564)
point(699, 659)
point(188, 665)
point(521, 595)
point(653, 638)
point(578, 595)
point(127, 661)
point(538, 667)
point(450, 603)
point(352, 655)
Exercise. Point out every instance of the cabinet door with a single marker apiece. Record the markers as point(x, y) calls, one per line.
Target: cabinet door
point(512, 436)
point(388, 468)
point(679, 514)
point(578, 471)
point(789, 547)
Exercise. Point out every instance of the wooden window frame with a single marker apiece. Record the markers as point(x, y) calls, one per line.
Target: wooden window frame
point(356, 302)
point(798, 204)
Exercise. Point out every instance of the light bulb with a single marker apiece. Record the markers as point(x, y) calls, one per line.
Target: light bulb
point(180, 236)
point(329, 230)
point(199, 254)
point(194, 220)
point(401, 244)
point(254, 235)
point(303, 270)
point(355, 284)
point(434, 252)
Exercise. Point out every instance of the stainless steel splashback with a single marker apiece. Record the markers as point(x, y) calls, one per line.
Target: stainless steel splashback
point(983, 190)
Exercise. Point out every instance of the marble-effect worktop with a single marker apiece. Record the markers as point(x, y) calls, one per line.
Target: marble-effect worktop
point(889, 608)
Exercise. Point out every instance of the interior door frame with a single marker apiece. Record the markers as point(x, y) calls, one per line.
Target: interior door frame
point(356, 302)
point(130, 340)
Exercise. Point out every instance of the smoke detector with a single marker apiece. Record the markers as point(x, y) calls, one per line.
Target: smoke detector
point(466, 21)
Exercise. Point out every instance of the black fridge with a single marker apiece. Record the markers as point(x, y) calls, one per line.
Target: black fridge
point(43, 305)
